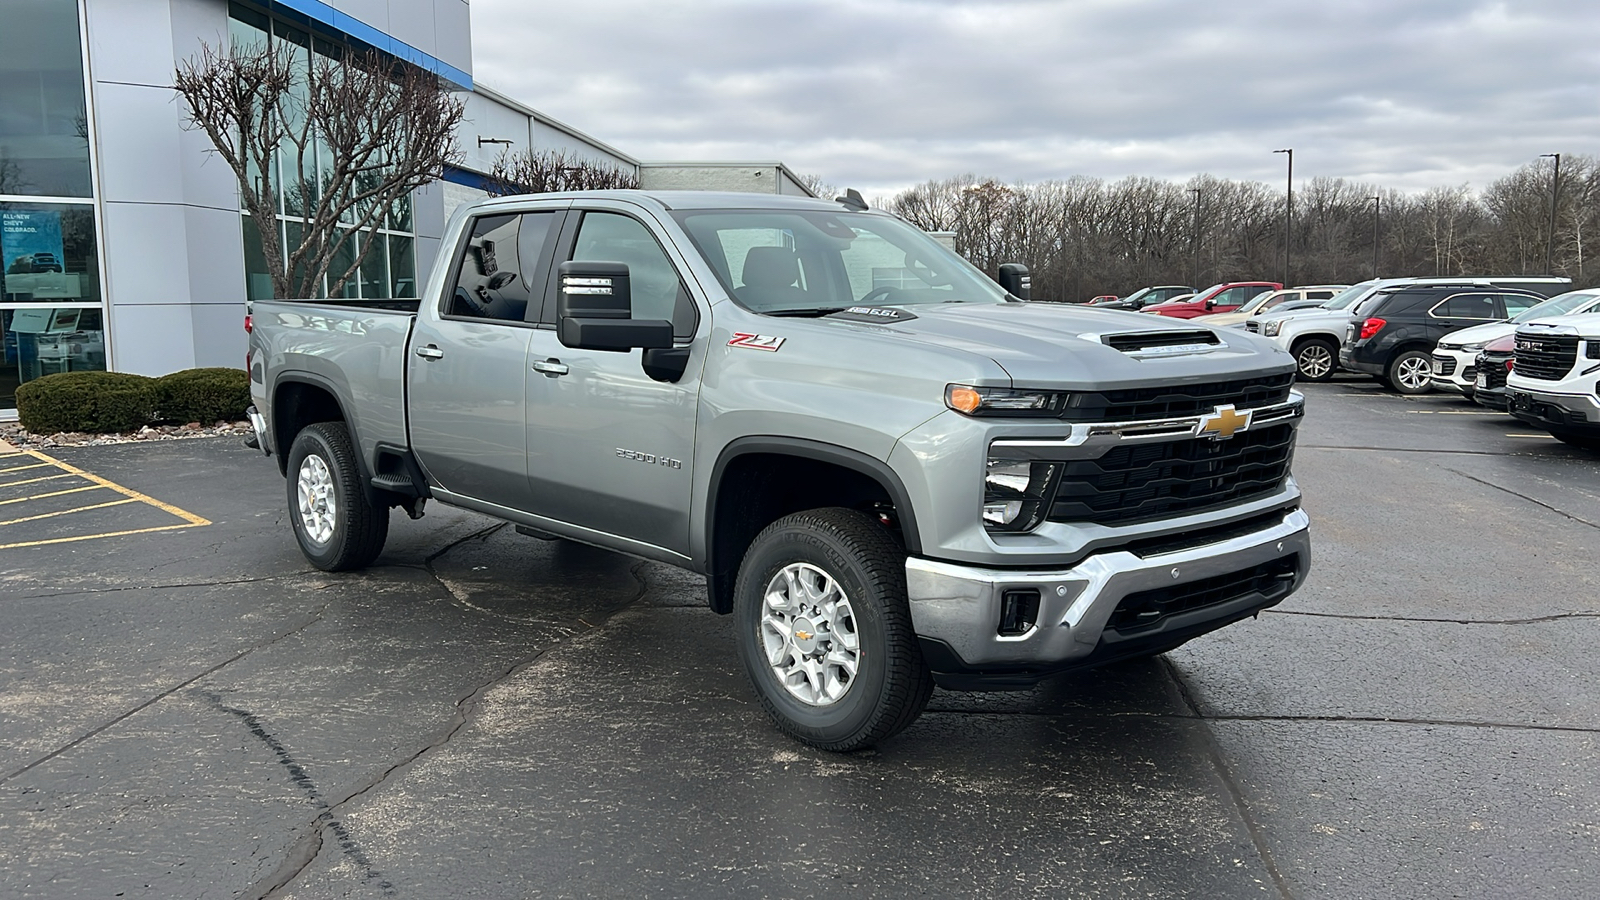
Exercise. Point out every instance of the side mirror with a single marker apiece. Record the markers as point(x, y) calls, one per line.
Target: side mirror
point(594, 310)
point(1015, 279)
point(1211, 304)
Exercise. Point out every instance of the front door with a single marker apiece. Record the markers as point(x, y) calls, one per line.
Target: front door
point(609, 448)
point(466, 389)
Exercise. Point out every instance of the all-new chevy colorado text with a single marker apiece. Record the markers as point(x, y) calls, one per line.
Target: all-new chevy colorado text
point(893, 471)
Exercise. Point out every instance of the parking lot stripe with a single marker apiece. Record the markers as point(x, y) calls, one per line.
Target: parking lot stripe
point(90, 537)
point(62, 512)
point(20, 468)
point(32, 480)
point(185, 515)
point(92, 487)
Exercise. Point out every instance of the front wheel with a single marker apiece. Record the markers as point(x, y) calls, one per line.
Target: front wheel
point(1315, 359)
point(1411, 372)
point(824, 630)
point(336, 527)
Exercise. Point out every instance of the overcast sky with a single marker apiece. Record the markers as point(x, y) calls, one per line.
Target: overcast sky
point(875, 95)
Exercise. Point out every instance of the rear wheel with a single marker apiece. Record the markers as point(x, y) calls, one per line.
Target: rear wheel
point(1410, 372)
point(1315, 359)
point(824, 630)
point(336, 527)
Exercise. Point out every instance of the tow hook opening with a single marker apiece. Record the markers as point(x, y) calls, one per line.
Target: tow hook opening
point(1019, 611)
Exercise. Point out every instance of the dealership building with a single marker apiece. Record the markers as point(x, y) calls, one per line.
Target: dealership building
point(122, 243)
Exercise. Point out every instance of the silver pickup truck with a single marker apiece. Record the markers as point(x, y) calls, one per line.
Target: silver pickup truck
point(893, 471)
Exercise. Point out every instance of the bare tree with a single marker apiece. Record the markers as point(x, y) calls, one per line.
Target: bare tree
point(548, 171)
point(355, 136)
point(818, 187)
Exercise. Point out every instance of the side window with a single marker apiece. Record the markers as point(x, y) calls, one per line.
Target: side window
point(490, 281)
point(1517, 303)
point(1319, 295)
point(658, 293)
point(1468, 306)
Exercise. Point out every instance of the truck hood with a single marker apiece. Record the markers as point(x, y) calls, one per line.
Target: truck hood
point(1056, 346)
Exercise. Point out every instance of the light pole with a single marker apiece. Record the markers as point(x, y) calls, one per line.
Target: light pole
point(1555, 192)
point(1194, 236)
point(1377, 203)
point(1288, 213)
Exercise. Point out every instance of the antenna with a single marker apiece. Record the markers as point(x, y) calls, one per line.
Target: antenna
point(852, 200)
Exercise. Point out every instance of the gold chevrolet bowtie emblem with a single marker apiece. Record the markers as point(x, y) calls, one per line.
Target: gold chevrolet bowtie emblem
point(803, 635)
point(1224, 422)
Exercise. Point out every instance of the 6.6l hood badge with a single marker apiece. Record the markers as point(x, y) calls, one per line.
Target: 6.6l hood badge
point(1223, 423)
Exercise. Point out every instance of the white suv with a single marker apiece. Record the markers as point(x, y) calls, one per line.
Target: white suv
point(1455, 357)
point(1555, 380)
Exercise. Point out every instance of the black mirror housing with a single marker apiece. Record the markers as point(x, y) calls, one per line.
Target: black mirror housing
point(594, 310)
point(1015, 279)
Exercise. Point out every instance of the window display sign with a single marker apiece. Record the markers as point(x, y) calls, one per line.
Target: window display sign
point(32, 252)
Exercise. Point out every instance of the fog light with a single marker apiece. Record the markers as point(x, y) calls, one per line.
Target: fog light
point(1019, 611)
point(1002, 513)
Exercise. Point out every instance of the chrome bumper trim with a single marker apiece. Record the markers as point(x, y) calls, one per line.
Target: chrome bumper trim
point(1584, 404)
point(960, 605)
point(1091, 439)
point(259, 423)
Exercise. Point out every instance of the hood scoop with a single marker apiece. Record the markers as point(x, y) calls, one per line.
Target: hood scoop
point(1148, 344)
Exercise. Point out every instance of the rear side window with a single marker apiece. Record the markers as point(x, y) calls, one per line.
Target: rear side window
point(1468, 306)
point(1518, 303)
point(492, 275)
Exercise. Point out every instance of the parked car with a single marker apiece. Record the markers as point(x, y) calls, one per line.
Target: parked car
point(1146, 296)
point(1283, 301)
point(1395, 339)
point(889, 486)
point(1490, 368)
point(46, 262)
point(1455, 357)
point(1554, 382)
point(1314, 335)
point(1104, 298)
point(1219, 298)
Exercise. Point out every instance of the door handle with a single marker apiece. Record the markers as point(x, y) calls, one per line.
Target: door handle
point(551, 367)
point(430, 352)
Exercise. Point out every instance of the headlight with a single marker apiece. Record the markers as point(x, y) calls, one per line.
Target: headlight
point(1016, 493)
point(1271, 329)
point(1472, 348)
point(984, 401)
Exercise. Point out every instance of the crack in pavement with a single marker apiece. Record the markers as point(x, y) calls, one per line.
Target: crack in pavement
point(1429, 450)
point(1198, 716)
point(306, 851)
point(306, 623)
point(1559, 512)
point(1536, 620)
point(163, 587)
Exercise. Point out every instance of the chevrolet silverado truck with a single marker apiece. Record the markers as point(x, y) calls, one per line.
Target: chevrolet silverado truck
point(893, 471)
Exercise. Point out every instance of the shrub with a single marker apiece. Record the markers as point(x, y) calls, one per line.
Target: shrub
point(86, 401)
point(203, 395)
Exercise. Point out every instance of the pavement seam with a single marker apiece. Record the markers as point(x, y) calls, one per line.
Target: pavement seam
point(1537, 620)
point(1235, 793)
point(1299, 446)
point(1078, 715)
point(75, 742)
point(161, 587)
point(1535, 502)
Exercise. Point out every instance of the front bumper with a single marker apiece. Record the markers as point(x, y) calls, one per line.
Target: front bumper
point(1455, 370)
point(1180, 594)
point(1571, 412)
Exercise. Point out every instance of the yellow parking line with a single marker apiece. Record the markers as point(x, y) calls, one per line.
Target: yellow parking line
point(65, 511)
point(88, 537)
point(92, 487)
point(32, 480)
point(20, 468)
point(189, 517)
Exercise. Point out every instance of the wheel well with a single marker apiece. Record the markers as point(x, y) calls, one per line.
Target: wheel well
point(295, 406)
point(757, 489)
point(1304, 339)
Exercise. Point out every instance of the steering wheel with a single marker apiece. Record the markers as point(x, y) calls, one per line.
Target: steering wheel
point(876, 294)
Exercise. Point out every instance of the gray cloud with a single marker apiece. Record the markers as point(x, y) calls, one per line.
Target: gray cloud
point(881, 95)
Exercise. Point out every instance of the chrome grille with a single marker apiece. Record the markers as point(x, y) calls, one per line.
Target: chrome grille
point(1546, 357)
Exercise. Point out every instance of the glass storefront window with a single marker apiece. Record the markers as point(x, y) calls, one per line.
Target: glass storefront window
point(44, 124)
point(42, 340)
point(47, 253)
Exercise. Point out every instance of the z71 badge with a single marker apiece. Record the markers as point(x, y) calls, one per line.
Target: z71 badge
point(756, 341)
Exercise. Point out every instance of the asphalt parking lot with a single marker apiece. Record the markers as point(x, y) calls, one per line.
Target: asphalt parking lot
point(191, 711)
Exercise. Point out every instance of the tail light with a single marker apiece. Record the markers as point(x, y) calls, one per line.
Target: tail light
point(1371, 327)
point(1510, 364)
point(247, 323)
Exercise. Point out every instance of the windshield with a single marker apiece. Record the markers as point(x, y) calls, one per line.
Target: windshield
point(1556, 306)
point(1349, 295)
point(1261, 301)
point(804, 261)
point(1138, 295)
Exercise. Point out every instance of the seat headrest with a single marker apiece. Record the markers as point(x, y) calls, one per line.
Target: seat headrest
point(771, 267)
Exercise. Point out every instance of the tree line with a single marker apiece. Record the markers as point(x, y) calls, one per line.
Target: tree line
point(1082, 237)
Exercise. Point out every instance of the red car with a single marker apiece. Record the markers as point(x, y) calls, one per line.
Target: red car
point(1219, 298)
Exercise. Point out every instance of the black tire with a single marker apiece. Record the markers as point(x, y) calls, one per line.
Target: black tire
point(1315, 359)
point(358, 528)
point(1581, 441)
point(1410, 372)
point(891, 682)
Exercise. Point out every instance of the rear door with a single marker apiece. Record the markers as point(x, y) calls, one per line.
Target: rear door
point(466, 389)
point(608, 447)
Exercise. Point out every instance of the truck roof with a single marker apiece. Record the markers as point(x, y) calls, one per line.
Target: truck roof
point(681, 199)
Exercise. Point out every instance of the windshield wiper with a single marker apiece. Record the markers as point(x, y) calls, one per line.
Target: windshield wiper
point(805, 312)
